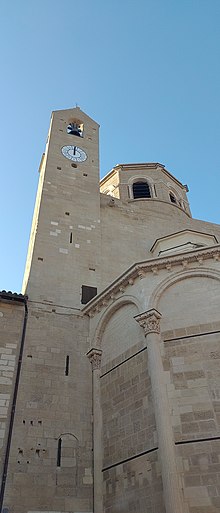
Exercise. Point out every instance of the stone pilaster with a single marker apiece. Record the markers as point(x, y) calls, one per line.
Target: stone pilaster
point(94, 356)
point(150, 322)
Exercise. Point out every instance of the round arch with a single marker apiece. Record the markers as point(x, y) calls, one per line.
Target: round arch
point(139, 178)
point(181, 275)
point(106, 316)
point(67, 434)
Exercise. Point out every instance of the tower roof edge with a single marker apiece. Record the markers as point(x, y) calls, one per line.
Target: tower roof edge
point(75, 111)
point(141, 166)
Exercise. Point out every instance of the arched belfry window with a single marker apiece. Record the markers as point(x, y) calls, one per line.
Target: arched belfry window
point(173, 198)
point(141, 190)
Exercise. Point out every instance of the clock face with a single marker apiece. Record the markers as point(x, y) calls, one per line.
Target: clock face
point(74, 153)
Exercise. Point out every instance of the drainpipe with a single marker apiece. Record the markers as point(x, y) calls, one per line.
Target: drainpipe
point(7, 297)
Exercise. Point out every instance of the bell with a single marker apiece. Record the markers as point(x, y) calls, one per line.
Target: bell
point(72, 129)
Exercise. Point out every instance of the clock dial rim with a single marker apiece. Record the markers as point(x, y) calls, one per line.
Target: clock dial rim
point(81, 157)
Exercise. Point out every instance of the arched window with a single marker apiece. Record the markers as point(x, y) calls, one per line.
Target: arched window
point(67, 461)
point(172, 198)
point(67, 450)
point(141, 190)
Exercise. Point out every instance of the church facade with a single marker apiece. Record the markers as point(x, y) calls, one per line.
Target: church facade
point(109, 359)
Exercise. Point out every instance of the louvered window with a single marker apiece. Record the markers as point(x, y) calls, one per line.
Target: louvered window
point(141, 190)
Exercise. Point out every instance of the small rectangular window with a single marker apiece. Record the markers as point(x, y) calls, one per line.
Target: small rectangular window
point(88, 293)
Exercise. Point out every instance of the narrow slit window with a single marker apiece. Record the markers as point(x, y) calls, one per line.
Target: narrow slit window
point(71, 237)
point(67, 366)
point(59, 452)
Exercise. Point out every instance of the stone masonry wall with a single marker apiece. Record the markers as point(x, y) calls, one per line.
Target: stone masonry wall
point(128, 417)
point(191, 364)
point(121, 333)
point(52, 404)
point(131, 473)
point(132, 478)
point(134, 486)
point(11, 323)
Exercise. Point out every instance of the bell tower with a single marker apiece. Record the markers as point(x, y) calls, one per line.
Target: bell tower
point(63, 253)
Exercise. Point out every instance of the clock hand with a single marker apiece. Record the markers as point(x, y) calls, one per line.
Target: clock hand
point(74, 151)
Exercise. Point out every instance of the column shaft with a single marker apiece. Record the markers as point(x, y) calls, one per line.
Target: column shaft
point(94, 356)
point(171, 486)
point(97, 442)
point(172, 496)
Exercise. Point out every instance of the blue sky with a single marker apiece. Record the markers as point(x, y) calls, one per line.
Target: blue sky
point(147, 70)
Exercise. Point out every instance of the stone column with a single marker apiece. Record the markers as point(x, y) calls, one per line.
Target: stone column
point(173, 498)
point(94, 356)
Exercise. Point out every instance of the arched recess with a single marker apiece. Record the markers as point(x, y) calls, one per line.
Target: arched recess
point(190, 297)
point(124, 329)
point(67, 461)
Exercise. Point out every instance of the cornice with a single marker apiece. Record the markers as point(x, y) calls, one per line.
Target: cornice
point(194, 232)
point(139, 270)
point(134, 166)
point(106, 177)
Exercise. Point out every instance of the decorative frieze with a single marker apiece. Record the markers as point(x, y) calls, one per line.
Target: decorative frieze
point(95, 356)
point(200, 260)
point(141, 273)
point(149, 321)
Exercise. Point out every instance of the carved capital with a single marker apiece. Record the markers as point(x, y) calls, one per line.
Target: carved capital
point(149, 321)
point(95, 356)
